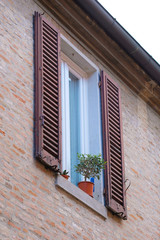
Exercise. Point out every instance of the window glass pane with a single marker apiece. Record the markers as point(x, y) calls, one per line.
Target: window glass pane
point(74, 125)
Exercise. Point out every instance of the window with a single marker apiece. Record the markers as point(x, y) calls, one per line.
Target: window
point(82, 92)
point(81, 118)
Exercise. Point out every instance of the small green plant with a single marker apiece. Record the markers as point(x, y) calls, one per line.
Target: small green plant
point(64, 172)
point(90, 165)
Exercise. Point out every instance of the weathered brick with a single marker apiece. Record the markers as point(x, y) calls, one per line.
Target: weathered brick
point(17, 197)
point(4, 58)
point(2, 132)
point(38, 232)
point(13, 225)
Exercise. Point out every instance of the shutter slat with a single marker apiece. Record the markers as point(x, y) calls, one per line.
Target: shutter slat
point(116, 158)
point(114, 127)
point(114, 161)
point(51, 68)
point(48, 99)
point(116, 180)
point(50, 40)
point(50, 133)
point(116, 166)
point(115, 139)
point(116, 172)
point(50, 44)
point(54, 106)
point(113, 112)
point(112, 85)
point(113, 97)
point(49, 61)
point(49, 28)
point(50, 140)
point(49, 50)
point(113, 118)
point(117, 186)
point(47, 53)
point(50, 117)
point(49, 144)
point(51, 75)
point(117, 195)
point(114, 134)
point(117, 189)
point(49, 149)
point(51, 129)
point(51, 126)
point(52, 80)
point(49, 90)
point(117, 199)
point(113, 115)
point(51, 110)
point(117, 177)
point(113, 146)
point(48, 120)
point(49, 71)
point(51, 99)
point(113, 104)
point(115, 153)
point(112, 93)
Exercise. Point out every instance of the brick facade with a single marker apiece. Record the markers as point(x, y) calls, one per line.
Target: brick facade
point(31, 207)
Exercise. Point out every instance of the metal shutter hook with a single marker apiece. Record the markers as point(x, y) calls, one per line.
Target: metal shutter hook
point(128, 185)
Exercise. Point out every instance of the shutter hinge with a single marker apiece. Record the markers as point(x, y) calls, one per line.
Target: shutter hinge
point(42, 119)
point(99, 84)
point(104, 191)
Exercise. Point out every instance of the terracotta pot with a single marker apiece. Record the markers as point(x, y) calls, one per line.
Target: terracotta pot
point(65, 176)
point(87, 187)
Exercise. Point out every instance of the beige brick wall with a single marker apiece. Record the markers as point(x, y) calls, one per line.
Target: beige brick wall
point(31, 207)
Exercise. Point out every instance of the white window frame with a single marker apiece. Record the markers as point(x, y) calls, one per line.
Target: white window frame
point(66, 160)
point(68, 65)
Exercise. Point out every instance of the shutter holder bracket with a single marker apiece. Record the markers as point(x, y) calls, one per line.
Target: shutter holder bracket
point(128, 184)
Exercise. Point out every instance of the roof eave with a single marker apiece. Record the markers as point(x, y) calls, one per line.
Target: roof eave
point(122, 37)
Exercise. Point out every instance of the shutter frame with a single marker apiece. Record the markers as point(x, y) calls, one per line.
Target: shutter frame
point(48, 157)
point(113, 147)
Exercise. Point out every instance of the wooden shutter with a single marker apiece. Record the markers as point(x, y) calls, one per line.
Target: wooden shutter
point(113, 146)
point(47, 93)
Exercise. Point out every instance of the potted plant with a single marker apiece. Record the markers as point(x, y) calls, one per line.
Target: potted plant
point(89, 166)
point(65, 174)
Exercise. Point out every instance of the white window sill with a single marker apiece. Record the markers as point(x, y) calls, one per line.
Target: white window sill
point(67, 186)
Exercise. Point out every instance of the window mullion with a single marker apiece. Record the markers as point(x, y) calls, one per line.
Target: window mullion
point(66, 161)
point(84, 137)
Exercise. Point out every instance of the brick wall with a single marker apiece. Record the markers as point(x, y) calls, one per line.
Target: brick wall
point(31, 207)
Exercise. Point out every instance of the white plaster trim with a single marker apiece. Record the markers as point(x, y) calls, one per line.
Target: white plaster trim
point(86, 59)
point(73, 67)
point(67, 186)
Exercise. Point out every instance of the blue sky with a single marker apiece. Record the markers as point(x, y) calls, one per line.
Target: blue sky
point(141, 18)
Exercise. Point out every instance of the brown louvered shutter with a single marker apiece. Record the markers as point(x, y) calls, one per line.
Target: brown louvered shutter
point(47, 93)
point(113, 147)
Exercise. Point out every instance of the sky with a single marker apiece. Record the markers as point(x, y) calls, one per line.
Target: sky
point(141, 19)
